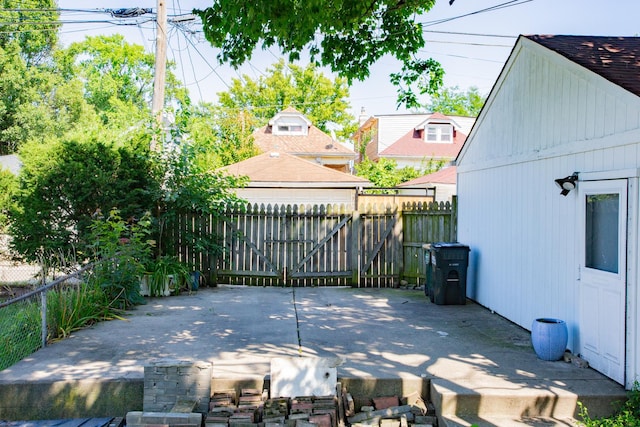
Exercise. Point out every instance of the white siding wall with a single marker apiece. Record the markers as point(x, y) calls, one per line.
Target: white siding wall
point(393, 127)
point(545, 119)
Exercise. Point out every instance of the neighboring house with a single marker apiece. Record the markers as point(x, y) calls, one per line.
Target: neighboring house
point(11, 162)
point(562, 106)
point(441, 184)
point(379, 133)
point(435, 139)
point(281, 178)
point(292, 133)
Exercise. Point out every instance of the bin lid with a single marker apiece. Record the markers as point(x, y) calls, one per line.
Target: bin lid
point(440, 245)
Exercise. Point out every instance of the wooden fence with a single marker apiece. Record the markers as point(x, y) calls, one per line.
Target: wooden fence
point(315, 246)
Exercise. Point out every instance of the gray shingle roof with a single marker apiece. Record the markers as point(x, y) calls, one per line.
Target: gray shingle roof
point(617, 59)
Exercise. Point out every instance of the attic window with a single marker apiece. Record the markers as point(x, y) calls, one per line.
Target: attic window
point(290, 128)
point(438, 133)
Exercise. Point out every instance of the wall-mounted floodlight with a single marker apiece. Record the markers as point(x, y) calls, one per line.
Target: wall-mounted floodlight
point(568, 183)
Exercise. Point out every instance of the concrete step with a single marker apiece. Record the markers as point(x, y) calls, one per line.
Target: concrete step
point(487, 397)
point(497, 421)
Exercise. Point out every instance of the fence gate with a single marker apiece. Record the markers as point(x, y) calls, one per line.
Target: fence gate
point(322, 245)
point(379, 249)
point(273, 246)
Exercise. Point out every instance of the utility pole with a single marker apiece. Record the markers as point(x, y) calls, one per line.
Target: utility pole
point(157, 104)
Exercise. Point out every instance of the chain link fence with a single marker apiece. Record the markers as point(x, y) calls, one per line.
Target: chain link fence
point(25, 324)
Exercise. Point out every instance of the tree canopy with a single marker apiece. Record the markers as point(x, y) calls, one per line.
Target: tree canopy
point(384, 173)
point(453, 101)
point(32, 25)
point(116, 76)
point(306, 89)
point(347, 36)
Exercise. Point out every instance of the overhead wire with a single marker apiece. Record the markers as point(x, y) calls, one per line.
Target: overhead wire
point(188, 32)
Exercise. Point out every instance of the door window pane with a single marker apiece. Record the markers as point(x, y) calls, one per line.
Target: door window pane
point(603, 213)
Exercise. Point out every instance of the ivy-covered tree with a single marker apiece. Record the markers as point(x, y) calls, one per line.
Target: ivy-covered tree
point(346, 35)
point(306, 89)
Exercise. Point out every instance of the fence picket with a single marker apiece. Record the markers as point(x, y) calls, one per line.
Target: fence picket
point(291, 245)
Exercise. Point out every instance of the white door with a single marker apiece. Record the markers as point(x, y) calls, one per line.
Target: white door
point(603, 275)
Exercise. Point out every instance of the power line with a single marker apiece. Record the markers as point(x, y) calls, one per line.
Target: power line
point(510, 3)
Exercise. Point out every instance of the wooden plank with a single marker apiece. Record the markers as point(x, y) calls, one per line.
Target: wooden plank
point(319, 245)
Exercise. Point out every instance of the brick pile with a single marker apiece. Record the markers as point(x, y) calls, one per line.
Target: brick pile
point(390, 411)
point(254, 409)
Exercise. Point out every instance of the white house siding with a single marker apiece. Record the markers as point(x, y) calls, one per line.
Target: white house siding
point(291, 196)
point(546, 118)
point(394, 126)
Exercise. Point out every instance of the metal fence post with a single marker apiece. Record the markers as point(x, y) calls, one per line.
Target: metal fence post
point(43, 311)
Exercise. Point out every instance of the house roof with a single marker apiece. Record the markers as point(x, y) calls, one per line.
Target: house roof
point(289, 112)
point(390, 127)
point(412, 143)
point(438, 118)
point(443, 176)
point(282, 169)
point(315, 143)
point(617, 59)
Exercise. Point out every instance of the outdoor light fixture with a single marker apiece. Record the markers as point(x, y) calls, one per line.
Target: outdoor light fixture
point(568, 183)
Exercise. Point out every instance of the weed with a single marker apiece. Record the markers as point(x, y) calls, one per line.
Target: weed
point(627, 416)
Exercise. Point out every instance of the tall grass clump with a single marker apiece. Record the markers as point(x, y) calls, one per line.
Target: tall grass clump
point(75, 307)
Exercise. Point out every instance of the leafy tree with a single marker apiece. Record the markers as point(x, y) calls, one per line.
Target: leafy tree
point(117, 77)
point(221, 136)
point(453, 101)
point(348, 36)
point(287, 85)
point(8, 187)
point(385, 172)
point(191, 186)
point(65, 184)
point(32, 25)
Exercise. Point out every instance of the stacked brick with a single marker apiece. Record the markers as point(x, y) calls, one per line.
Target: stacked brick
point(165, 383)
point(389, 411)
point(252, 409)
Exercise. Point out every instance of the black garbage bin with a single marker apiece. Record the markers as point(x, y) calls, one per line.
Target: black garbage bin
point(446, 281)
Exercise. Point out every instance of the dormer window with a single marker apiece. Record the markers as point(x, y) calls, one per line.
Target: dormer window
point(290, 129)
point(438, 133)
point(295, 126)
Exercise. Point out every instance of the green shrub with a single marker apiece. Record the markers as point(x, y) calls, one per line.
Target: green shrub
point(121, 250)
point(627, 416)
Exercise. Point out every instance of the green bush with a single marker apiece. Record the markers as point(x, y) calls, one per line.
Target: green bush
point(8, 187)
point(627, 416)
point(64, 185)
point(122, 250)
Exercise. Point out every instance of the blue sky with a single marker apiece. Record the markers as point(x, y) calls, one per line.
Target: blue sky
point(471, 48)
